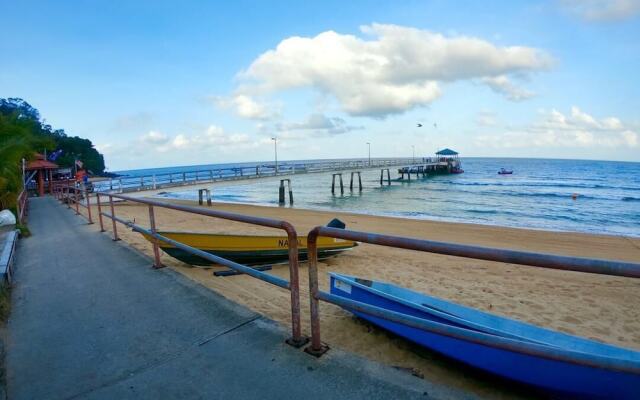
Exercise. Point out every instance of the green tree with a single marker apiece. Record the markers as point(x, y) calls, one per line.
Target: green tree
point(22, 134)
point(73, 147)
point(19, 136)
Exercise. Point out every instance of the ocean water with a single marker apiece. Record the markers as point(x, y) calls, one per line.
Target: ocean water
point(538, 195)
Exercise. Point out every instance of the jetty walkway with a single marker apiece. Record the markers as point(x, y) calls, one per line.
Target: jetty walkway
point(129, 184)
point(91, 319)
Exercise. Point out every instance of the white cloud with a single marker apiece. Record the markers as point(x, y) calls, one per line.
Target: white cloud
point(318, 123)
point(154, 137)
point(486, 118)
point(501, 84)
point(214, 137)
point(245, 106)
point(603, 10)
point(555, 129)
point(396, 70)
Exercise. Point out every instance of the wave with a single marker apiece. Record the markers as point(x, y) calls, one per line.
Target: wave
point(525, 193)
point(542, 184)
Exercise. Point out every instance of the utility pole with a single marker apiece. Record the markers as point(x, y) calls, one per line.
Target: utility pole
point(275, 148)
point(369, 144)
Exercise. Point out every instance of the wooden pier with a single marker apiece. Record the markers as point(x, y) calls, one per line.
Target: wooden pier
point(197, 177)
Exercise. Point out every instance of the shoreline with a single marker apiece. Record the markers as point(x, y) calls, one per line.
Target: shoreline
point(594, 306)
point(390, 215)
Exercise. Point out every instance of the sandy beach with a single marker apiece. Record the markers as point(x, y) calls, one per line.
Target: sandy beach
point(603, 308)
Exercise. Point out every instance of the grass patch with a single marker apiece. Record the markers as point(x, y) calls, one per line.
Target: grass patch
point(5, 302)
point(24, 230)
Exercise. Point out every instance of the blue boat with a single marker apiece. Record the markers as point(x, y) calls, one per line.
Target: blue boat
point(560, 363)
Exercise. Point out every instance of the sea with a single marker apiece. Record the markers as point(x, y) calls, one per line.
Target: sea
point(600, 197)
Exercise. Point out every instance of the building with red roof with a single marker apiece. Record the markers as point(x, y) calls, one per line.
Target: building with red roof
point(44, 172)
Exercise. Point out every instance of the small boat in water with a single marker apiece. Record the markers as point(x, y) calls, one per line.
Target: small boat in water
point(246, 249)
point(563, 364)
point(505, 171)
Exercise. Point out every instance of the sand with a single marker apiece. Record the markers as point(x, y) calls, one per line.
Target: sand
point(600, 307)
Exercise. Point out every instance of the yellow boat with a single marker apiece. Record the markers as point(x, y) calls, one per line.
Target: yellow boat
point(246, 249)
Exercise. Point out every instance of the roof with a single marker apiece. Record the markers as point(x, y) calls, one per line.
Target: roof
point(41, 163)
point(447, 152)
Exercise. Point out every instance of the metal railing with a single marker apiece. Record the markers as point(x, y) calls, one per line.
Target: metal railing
point(164, 180)
point(68, 193)
point(317, 348)
point(62, 190)
point(293, 284)
point(21, 205)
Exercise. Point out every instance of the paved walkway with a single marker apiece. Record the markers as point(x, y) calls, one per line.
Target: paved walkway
point(90, 319)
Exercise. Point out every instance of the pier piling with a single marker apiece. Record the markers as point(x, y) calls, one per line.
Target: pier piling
point(359, 181)
point(382, 176)
point(281, 196)
point(333, 183)
point(200, 196)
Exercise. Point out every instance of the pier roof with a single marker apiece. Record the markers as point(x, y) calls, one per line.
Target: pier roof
point(447, 152)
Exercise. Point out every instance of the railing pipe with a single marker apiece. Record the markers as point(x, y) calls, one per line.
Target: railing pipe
point(76, 200)
point(292, 237)
point(113, 214)
point(99, 212)
point(597, 266)
point(156, 248)
point(87, 196)
point(274, 280)
point(606, 267)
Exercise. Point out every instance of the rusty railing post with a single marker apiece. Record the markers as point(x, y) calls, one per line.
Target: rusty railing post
point(317, 348)
point(113, 219)
point(76, 200)
point(99, 212)
point(156, 248)
point(18, 212)
point(296, 339)
point(87, 195)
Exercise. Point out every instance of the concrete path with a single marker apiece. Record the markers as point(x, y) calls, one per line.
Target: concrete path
point(90, 319)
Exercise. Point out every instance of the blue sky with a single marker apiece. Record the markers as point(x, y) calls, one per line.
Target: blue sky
point(155, 83)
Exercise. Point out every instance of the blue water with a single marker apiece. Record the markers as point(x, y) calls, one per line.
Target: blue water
point(538, 195)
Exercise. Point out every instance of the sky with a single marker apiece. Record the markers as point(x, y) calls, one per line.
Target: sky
point(165, 83)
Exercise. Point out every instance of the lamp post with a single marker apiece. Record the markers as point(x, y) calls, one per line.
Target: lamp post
point(275, 148)
point(369, 145)
point(413, 159)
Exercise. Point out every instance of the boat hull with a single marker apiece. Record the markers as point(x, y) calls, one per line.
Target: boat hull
point(561, 377)
point(247, 250)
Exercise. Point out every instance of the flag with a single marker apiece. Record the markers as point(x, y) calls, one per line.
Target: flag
point(79, 163)
point(54, 156)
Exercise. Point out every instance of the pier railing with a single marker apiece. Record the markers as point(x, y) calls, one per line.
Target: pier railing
point(607, 267)
point(74, 195)
point(158, 181)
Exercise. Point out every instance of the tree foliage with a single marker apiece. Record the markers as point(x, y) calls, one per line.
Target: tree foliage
point(19, 135)
point(22, 134)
